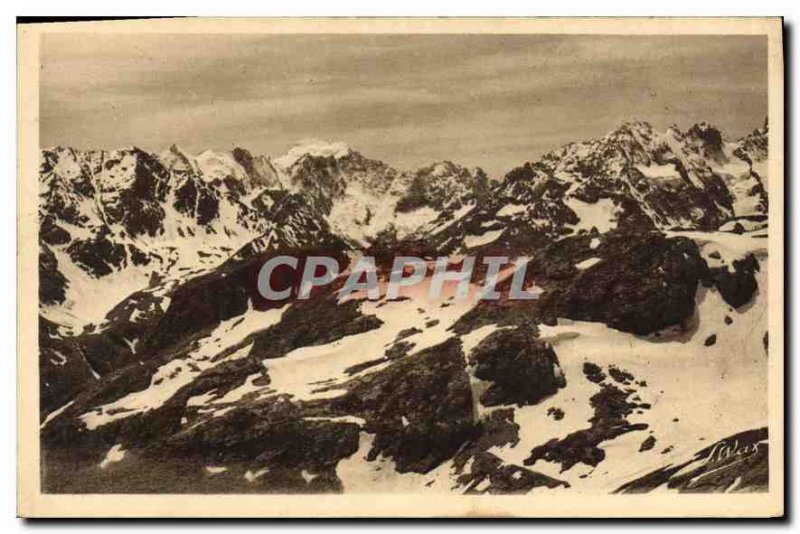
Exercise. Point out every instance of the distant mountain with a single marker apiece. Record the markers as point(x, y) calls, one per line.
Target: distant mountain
point(632, 176)
point(116, 221)
point(361, 197)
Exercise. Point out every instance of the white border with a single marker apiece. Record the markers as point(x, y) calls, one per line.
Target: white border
point(302, 8)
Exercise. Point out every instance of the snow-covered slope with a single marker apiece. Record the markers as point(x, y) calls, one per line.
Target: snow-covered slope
point(112, 220)
point(416, 394)
point(361, 197)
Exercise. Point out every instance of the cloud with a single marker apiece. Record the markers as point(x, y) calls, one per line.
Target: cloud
point(490, 100)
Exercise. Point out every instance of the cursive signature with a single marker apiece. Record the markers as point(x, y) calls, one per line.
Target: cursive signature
point(727, 449)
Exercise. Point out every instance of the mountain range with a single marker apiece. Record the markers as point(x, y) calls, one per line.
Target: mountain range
point(157, 357)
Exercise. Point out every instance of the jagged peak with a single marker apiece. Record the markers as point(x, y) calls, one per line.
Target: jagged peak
point(754, 145)
point(705, 131)
point(313, 148)
point(76, 153)
point(636, 125)
point(633, 129)
point(478, 171)
point(176, 159)
point(758, 132)
point(131, 149)
point(441, 168)
point(708, 136)
point(175, 149)
point(57, 148)
point(675, 131)
point(211, 154)
point(632, 133)
point(59, 152)
point(177, 152)
point(703, 126)
point(242, 155)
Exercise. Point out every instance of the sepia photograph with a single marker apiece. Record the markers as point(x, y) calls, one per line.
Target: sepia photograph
point(401, 268)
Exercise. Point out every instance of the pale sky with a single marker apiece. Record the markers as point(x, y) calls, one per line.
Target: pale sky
point(490, 101)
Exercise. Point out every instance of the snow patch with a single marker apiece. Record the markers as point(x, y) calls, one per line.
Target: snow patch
point(214, 470)
point(585, 264)
point(114, 455)
point(511, 209)
point(472, 241)
point(311, 147)
point(601, 215)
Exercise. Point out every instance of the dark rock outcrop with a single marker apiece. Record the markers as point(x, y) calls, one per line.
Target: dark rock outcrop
point(611, 406)
point(419, 408)
point(646, 285)
point(521, 369)
point(738, 287)
point(641, 283)
point(52, 284)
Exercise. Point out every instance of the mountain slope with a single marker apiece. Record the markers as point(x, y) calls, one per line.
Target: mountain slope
point(632, 176)
point(111, 221)
point(649, 289)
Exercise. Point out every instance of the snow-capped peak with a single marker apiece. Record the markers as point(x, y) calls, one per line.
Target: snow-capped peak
point(176, 158)
point(706, 133)
point(636, 126)
point(442, 168)
point(178, 151)
point(312, 147)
